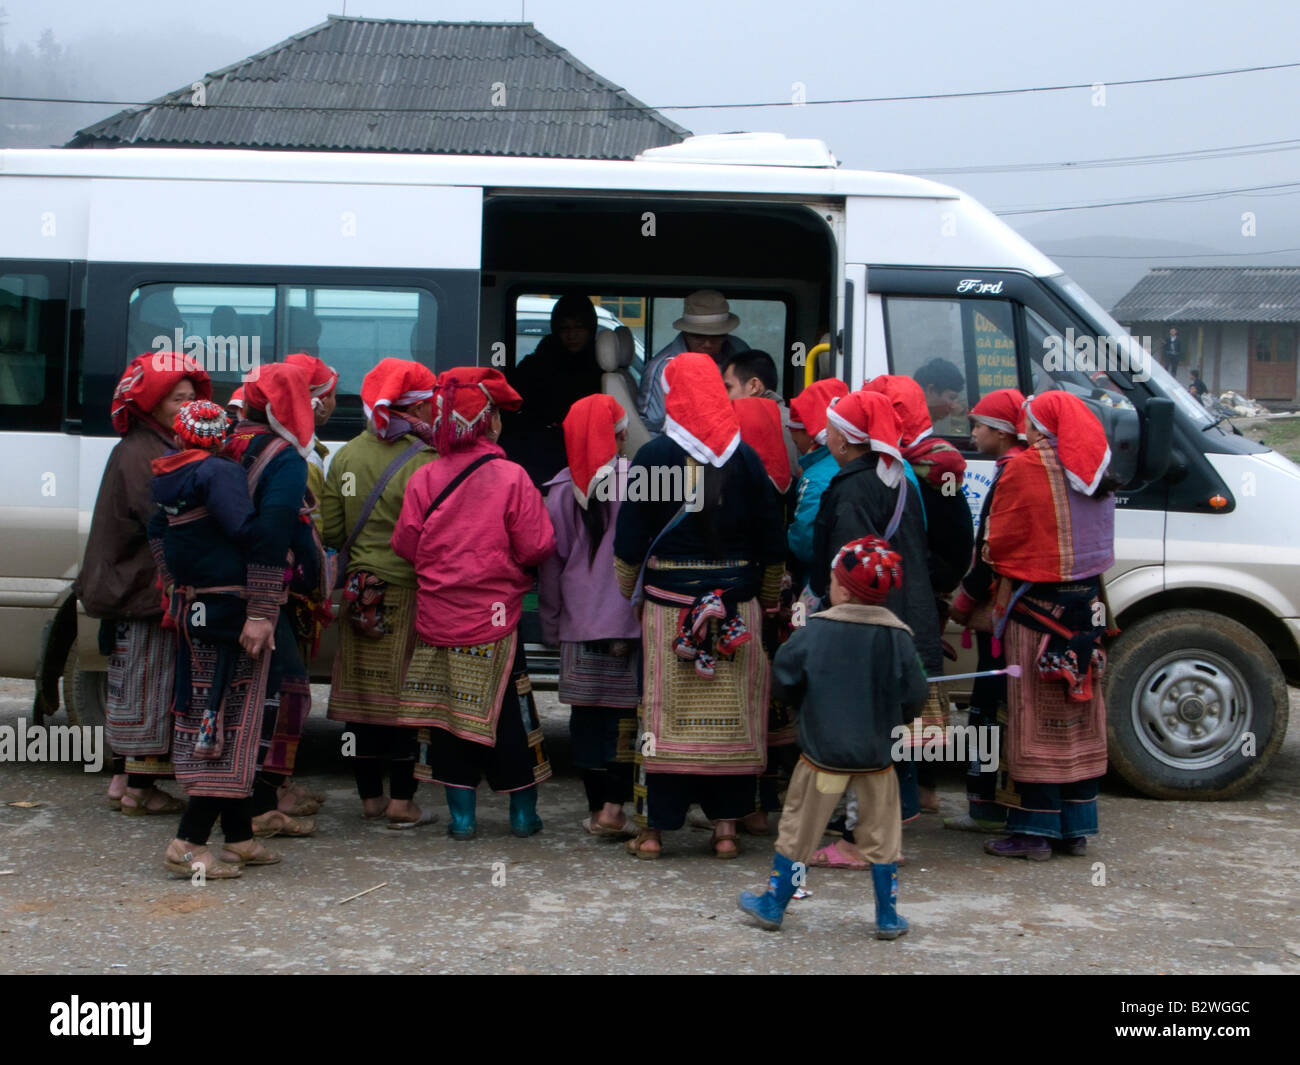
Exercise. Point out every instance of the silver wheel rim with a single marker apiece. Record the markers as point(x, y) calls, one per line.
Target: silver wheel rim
point(1191, 709)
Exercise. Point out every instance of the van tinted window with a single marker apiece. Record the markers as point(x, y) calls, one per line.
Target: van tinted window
point(33, 310)
point(957, 350)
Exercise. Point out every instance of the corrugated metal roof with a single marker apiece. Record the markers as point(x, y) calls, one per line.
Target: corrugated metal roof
point(1214, 294)
point(315, 90)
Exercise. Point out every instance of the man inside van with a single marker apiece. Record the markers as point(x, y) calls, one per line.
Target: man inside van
point(753, 373)
point(945, 394)
point(705, 326)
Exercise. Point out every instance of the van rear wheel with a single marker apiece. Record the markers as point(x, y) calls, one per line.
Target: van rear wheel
point(1196, 705)
point(85, 694)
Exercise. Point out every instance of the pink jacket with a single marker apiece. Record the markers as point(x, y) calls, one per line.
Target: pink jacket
point(470, 557)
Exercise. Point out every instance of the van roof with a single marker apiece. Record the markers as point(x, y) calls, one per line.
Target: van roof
point(654, 172)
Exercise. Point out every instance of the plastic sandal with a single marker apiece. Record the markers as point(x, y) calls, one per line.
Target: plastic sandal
point(634, 846)
point(277, 823)
point(725, 837)
point(258, 855)
point(427, 817)
point(170, 804)
point(832, 857)
point(211, 868)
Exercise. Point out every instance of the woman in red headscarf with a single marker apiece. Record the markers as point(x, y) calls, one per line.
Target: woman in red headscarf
point(322, 383)
point(285, 558)
point(119, 580)
point(363, 497)
point(997, 431)
point(700, 547)
point(582, 610)
point(1051, 536)
point(474, 526)
point(761, 429)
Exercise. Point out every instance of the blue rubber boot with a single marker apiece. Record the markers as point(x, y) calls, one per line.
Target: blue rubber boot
point(768, 909)
point(889, 925)
point(524, 821)
point(462, 802)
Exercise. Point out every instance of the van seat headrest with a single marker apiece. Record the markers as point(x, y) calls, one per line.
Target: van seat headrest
point(615, 348)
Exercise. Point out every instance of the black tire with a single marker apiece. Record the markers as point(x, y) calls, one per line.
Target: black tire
point(1183, 689)
point(85, 695)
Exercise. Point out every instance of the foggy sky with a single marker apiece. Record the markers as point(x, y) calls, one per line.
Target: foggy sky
point(695, 51)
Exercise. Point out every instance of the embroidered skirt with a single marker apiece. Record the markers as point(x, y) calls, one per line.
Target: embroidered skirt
point(690, 724)
point(366, 685)
point(141, 684)
point(459, 689)
point(1049, 738)
point(240, 721)
point(513, 758)
point(591, 676)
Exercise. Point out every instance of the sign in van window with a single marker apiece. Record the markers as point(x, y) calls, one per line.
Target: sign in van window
point(995, 349)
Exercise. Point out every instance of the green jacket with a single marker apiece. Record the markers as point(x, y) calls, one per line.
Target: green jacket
point(351, 476)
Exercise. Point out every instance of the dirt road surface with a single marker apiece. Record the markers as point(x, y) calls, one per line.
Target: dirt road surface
point(1180, 888)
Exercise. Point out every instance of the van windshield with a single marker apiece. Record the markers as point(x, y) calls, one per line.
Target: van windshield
point(1161, 382)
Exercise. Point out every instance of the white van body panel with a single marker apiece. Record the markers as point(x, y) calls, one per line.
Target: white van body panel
point(255, 223)
point(44, 218)
point(937, 231)
point(1246, 552)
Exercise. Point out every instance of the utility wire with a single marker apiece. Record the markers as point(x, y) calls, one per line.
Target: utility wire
point(183, 100)
point(1214, 194)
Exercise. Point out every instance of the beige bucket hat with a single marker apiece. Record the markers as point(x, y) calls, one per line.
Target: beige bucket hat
point(706, 313)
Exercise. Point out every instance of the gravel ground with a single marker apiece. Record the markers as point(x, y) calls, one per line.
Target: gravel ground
point(1188, 888)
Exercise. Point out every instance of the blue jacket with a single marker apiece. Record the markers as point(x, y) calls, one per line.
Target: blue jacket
point(818, 469)
point(650, 396)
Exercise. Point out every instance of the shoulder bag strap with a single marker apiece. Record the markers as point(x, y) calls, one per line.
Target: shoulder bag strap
point(378, 490)
point(454, 483)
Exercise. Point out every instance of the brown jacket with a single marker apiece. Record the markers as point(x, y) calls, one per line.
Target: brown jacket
point(118, 576)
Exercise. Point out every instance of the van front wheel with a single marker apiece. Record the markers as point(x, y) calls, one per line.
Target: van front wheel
point(85, 695)
point(1196, 705)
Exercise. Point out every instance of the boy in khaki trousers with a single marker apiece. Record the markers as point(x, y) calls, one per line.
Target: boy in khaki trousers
point(855, 672)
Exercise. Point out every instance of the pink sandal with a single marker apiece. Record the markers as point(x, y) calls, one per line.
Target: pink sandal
point(832, 857)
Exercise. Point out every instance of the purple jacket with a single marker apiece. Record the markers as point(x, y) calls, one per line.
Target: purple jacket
point(580, 602)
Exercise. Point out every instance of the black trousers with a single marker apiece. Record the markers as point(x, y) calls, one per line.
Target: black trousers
point(669, 795)
point(381, 747)
point(201, 814)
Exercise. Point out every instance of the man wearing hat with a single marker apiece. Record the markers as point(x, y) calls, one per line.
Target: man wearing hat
point(705, 326)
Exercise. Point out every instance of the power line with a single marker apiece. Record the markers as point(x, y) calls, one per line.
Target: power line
point(965, 95)
point(1162, 258)
point(1215, 194)
point(1193, 155)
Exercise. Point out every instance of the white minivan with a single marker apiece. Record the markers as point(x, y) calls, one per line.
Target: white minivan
point(246, 255)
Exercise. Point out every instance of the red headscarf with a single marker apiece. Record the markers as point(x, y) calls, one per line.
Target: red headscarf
point(1001, 410)
point(321, 379)
point(1075, 434)
point(394, 383)
point(808, 408)
point(869, 418)
point(868, 569)
point(908, 399)
point(932, 459)
point(697, 413)
point(466, 398)
point(148, 380)
point(590, 440)
point(236, 398)
point(281, 391)
point(760, 428)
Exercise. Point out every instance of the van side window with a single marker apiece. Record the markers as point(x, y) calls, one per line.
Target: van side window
point(1071, 362)
point(229, 329)
point(353, 328)
point(32, 326)
point(957, 350)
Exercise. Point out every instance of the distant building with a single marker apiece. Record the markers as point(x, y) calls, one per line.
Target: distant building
point(1238, 324)
point(378, 85)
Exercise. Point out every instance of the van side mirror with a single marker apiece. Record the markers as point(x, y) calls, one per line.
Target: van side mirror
point(1157, 438)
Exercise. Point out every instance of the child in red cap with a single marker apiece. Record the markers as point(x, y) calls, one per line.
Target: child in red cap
point(854, 671)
